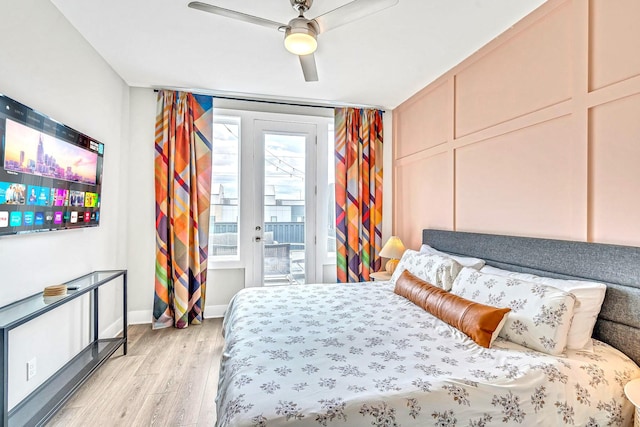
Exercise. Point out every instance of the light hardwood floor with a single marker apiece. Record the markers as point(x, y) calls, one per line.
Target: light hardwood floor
point(169, 377)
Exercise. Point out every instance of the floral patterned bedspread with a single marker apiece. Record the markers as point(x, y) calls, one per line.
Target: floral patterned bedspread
point(360, 355)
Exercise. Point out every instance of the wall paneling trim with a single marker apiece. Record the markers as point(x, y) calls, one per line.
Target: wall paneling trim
point(536, 134)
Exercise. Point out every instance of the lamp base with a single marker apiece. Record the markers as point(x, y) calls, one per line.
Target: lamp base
point(391, 265)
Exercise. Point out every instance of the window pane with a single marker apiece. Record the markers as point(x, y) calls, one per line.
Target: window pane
point(331, 180)
point(284, 204)
point(223, 231)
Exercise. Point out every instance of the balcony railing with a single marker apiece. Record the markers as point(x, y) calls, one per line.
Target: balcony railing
point(283, 232)
point(283, 248)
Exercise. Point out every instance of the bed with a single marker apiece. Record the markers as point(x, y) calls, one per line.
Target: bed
point(358, 354)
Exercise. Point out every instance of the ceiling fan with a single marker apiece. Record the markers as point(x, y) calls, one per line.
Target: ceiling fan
point(301, 33)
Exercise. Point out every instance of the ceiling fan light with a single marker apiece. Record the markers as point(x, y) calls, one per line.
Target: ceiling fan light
point(300, 37)
point(300, 43)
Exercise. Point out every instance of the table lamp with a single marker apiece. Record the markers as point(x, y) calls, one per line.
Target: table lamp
point(393, 250)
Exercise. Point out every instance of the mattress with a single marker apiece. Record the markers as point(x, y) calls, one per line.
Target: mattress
point(358, 354)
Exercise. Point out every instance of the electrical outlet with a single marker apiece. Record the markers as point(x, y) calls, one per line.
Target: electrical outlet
point(31, 368)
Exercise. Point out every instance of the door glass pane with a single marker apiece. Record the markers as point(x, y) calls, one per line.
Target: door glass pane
point(223, 227)
point(284, 209)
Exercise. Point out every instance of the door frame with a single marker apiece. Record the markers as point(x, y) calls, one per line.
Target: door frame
point(247, 191)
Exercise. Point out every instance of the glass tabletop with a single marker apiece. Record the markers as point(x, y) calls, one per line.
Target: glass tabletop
point(28, 307)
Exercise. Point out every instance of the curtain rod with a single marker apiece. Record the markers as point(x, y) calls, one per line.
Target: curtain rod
point(294, 102)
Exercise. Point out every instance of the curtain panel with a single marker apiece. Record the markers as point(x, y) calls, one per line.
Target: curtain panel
point(183, 192)
point(358, 153)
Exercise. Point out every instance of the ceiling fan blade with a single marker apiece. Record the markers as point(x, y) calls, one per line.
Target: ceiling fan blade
point(235, 15)
point(309, 69)
point(351, 12)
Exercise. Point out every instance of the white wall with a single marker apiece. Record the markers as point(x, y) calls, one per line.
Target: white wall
point(46, 64)
point(141, 241)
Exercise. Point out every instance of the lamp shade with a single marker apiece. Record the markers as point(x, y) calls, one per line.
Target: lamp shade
point(300, 43)
point(300, 37)
point(393, 249)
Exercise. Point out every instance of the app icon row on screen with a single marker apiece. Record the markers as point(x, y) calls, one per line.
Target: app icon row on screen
point(30, 218)
point(21, 194)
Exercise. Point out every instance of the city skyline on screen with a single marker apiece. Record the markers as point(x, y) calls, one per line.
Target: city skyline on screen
point(30, 151)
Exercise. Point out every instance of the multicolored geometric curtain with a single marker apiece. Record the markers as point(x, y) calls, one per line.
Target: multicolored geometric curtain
point(358, 193)
point(183, 191)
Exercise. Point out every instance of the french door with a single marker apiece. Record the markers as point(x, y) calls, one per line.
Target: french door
point(272, 205)
point(285, 190)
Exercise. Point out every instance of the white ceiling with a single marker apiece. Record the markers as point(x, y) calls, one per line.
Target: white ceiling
point(379, 60)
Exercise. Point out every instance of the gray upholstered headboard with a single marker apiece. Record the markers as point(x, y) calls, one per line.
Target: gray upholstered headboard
point(618, 266)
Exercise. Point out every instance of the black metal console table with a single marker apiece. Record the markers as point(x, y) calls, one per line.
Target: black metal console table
point(41, 404)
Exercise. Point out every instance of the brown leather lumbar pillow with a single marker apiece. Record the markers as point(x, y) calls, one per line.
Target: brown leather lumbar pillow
point(481, 323)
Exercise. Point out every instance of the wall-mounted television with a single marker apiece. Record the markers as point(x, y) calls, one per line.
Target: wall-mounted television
point(50, 174)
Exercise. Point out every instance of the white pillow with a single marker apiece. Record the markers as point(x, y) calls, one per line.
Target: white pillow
point(437, 270)
point(464, 261)
point(540, 315)
point(589, 298)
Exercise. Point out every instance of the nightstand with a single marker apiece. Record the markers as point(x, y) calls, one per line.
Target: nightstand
point(380, 276)
point(632, 390)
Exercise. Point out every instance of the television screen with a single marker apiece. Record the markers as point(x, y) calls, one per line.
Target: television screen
point(50, 174)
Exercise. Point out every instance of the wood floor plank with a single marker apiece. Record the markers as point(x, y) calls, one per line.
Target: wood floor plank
point(67, 416)
point(208, 415)
point(124, 407)
point(168, 378)
point(186, 410)
point(155, 410)
point(115, 369)
point(145, 342)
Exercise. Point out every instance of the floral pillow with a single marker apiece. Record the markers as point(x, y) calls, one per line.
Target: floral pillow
point(540, 315)
point(465, 261)
point(437, 270)
point(589, 297)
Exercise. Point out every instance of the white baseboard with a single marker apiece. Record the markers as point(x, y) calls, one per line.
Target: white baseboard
point(214, 311)
point(141, 317)
point(113, 329)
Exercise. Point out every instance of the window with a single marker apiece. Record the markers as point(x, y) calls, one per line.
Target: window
point(331, 181)
point(225, 169)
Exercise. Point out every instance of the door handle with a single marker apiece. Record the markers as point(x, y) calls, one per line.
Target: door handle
point(257, 239)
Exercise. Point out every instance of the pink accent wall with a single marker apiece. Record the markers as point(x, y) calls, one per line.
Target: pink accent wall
point(536, 134)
